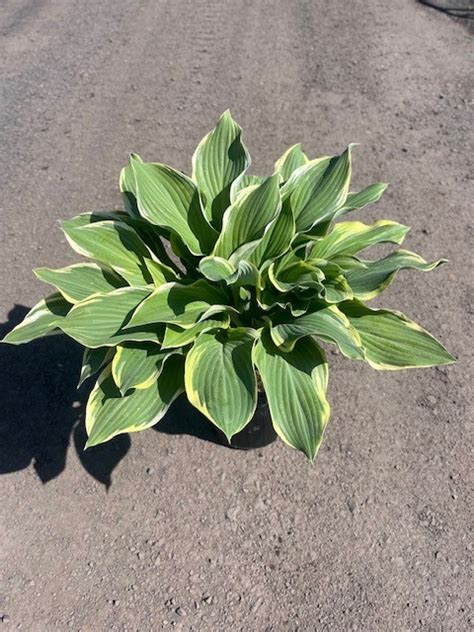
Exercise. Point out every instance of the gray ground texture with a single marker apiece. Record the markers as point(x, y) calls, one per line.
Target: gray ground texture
point(167, 529)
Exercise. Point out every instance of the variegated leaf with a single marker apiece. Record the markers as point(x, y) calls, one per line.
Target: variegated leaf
point(220, 378)
point(295, 383)
point(78, 281)
point(391, 341)
point(41, 320)
point(109, 413)
point(218, 160)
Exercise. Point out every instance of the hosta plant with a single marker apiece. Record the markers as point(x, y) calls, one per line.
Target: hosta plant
point(223, 282)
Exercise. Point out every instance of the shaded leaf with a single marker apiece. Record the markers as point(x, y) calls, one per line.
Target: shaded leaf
point(93, 360)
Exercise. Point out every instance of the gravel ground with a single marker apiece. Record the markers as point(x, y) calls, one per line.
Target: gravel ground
point(169, 530)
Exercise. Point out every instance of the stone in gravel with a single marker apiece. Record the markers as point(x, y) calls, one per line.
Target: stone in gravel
point(5, 618)
point(207, 599)
point(231, 513)
point(180, 611)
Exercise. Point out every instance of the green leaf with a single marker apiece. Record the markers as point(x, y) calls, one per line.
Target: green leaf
point(275, 241)
point(108, 413)
point(248, 217)
point(216, 268)
point(84, 219)
point(148, 233)
point(99, 320)
point(336, 289)
point(369, 278)
point(358, 200)
point(297, 274)
point(160, 273)
point(391, 341)
point(318, 190)
point(128, 190)
point(41, 320)
point(113, 243)
point(293, 158)
point(295, 384)
point(93, 360)
point(137, 365)
point(219, 158)
point(220, 378)
point(170, 200)
point(243, 182)
point(327, 322)
point(348, 238)
point(78, 281)
point(180, 304)
point(246, 274)
point(178, 337)
point(268, 299)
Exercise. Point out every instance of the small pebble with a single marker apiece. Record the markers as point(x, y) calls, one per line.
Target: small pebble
point(180, 612)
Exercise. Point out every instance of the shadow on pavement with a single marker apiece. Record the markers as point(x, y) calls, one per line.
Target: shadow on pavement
point(41, 410)
point(182, 418)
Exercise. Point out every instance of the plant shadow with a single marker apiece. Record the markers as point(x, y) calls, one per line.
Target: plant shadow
point(42, 412)
point(182, 418)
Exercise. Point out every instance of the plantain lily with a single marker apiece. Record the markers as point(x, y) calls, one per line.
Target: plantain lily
point(259, 276)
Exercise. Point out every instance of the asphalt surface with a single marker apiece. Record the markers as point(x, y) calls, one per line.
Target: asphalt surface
point(168, 529)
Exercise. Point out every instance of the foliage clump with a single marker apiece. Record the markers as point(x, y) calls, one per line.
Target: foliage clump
point(262, 272)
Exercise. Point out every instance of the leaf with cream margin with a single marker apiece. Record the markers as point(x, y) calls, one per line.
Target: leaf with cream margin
point(295, 384)
point(109, 413)
point(41, 320)
point(218, 160)
point(220, 378)
point(78, 281)
point(391, 341)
